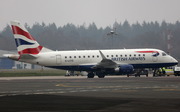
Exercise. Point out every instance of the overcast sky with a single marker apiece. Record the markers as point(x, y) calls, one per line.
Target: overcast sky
point(102, 12)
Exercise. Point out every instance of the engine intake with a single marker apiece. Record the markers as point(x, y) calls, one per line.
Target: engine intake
point(124, 69)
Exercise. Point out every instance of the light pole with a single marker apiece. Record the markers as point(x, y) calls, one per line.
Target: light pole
point(112, 33)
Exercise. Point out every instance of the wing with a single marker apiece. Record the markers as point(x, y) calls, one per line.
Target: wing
point(105, 63)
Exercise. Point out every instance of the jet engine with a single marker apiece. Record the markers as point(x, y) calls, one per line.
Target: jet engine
point(124, 69)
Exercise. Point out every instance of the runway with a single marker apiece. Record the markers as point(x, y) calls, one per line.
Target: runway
point(112, 93)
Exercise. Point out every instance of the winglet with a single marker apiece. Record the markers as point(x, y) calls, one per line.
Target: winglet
point(102, 55)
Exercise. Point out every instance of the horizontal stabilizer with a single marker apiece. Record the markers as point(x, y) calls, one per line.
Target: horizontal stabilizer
point(28, 56)
point(7, 55)
point(12, 56)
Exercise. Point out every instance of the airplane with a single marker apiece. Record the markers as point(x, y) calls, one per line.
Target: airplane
point(95, 62)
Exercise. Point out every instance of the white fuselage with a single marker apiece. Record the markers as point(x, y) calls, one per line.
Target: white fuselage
point(86, 59)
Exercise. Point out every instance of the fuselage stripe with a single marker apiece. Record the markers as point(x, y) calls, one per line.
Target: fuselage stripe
point(147, 51)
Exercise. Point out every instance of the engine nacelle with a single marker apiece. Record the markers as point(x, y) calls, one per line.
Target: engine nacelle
point(124, 69)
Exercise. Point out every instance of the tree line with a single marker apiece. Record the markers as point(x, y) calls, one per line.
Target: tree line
point(71, 37)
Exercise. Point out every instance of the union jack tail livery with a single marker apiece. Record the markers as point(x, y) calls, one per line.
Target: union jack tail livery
point(25, 43)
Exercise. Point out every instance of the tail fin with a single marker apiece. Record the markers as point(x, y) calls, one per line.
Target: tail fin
point(25, 43)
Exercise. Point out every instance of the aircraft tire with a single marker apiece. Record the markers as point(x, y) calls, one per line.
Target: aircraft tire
point(101, 75)
point(90, 75)
point(147, 73)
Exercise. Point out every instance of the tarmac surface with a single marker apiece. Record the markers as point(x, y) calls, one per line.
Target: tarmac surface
point(80, 94)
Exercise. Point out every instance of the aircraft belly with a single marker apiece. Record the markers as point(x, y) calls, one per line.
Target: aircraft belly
point(153, 65)
point(75, 67)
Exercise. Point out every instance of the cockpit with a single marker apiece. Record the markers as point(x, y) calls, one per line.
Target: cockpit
point(164, 54)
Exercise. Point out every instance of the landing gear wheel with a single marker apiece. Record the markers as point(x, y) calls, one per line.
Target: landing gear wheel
point(101, 75)
point(146, 73)
point(90, 75)
point(136, 74)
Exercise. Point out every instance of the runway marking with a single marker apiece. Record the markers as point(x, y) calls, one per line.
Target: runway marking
point(166, 89)
point(3, 92)
point(124, 90)
point(51, 92)
point(26, 91)
point(80, 88)
point(61, 92)
point(83, 90)
point(105, 89)
point(37, 93)
point(38, 90)
point(14, 91)
point(74, 89)
point(69, 89)
point(66, 85)
point(48, 89)
point(59, 89)
point(94, 90)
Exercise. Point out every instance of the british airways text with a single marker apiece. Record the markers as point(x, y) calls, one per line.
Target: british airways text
point(128, 59)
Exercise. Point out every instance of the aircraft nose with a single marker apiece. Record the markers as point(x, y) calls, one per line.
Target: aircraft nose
point(174, 60)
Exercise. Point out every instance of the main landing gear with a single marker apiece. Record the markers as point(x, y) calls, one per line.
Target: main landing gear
point(92, 74)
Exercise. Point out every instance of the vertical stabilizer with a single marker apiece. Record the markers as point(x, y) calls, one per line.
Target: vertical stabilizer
point(25, 43)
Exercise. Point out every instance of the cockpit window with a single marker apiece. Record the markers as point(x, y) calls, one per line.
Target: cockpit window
point(164, 54)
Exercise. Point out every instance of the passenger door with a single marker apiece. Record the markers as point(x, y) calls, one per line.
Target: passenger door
point(58, 59)
point(154, 58)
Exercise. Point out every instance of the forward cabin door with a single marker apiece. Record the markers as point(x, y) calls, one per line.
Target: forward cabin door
point(58, 59)
point(154, 58)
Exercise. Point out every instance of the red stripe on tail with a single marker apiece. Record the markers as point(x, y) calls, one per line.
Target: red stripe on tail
point(31, 50)
point(17, 30)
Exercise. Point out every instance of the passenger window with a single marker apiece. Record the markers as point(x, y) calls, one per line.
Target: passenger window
point(116, 55)
point(107, 55)
point(93, 56)
point(143, 54)
point(88, 56)
point(129, 55)
point(74, 56)
point(69, 56)
point(79, 56)
point(65, 56)
point(125, 55)
point(83, 56)
point(121, 55)
point(134, 55)
point(111, 55)
point(97, 56)
point(139, 55)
